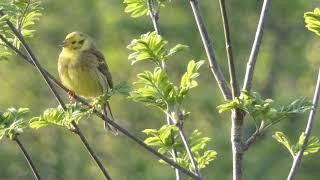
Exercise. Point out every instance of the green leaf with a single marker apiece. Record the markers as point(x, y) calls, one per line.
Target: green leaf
point(136, 8)
point(283, 139)
point(312, 20)
point(150, 47)
point(23, 14)
point(57, 116)
point(13, 122)
point(176, 49)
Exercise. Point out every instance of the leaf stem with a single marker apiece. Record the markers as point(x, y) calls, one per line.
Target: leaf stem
point(255, 47)
point(298, 157)
point(213, 63)
point(28, 158)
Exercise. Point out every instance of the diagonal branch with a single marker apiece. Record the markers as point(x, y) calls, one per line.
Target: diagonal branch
point(213, 63)
point(298, 157)
point(28, 158)
point(255, 47)
point(36, 63)
point(121, 129)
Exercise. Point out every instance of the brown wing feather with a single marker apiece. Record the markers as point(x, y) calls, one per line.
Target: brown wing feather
point(103, 67)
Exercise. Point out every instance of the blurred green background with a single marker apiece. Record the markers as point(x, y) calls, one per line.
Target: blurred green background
point(286, 69)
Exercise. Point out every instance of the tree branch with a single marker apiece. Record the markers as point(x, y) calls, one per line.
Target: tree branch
point(190, 154)
point(28, 158)
point(90, 150)
point(36, 63)
point(298, 157)
point(227, 36)
point(255, 47)
point(121, 129)
point(213, 64)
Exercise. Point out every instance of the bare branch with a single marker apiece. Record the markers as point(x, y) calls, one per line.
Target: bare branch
point(28, 158)
point(90, 150)
point(213, 64)
point(255, 47)
point(232, 72)
point(298, 157)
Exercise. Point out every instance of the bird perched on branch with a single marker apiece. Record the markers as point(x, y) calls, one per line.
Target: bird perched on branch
point(83, 70)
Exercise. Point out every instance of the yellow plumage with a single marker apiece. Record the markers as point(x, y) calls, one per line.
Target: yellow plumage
point(82, 68)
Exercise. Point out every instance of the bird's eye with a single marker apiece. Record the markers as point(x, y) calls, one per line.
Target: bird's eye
point(73, 42)
point(81, 42)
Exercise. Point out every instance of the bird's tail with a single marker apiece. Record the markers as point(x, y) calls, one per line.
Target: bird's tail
point(106, 111)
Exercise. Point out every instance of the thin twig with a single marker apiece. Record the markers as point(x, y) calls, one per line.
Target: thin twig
point(227, 37)
point(121, 129)
point(91, 152)
point(213, 63)
point(189, 152)
point(51, 87)
point(255, 47)
point(154, 15)
point(28, 158)
point(298, 157)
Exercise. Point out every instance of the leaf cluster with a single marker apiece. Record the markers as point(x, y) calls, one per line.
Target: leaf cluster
point(12, 122)
point(312, 20)
point(157, 90)
point(161, 139)
point(313, 145)
point(57, 116)
point(152, 47)
point(263, 109)
point(23, 14)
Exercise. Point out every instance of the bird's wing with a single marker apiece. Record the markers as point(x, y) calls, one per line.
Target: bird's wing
point(102, 66)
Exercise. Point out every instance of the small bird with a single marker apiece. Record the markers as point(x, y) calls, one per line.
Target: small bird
point(83, 70)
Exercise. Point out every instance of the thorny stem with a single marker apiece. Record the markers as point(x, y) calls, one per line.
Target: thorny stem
point(298, 157)
point(121, 129)
point(36, 63)
point(213, 64)
point(255, 47)
point(154, 15)
point(28, 158)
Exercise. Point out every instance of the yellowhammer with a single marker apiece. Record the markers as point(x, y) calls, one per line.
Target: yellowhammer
point(83, 70)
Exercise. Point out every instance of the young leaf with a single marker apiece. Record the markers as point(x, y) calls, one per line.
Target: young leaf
point(12, 122)
point(312, 20)
point(283, 139)
point(136, 8)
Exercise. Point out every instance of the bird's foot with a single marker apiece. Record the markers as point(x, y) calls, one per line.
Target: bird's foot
point(71, 95)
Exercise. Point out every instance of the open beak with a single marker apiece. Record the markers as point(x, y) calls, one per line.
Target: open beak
point(63, 44)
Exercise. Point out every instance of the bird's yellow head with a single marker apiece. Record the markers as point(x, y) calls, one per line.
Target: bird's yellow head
point(77, 41)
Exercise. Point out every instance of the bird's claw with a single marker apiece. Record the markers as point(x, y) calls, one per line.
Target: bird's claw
point(71, 95)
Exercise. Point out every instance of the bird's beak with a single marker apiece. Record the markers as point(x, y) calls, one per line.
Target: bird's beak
point(63, 44)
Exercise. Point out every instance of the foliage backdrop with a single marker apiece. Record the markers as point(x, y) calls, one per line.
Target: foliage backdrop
point(286, 69)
